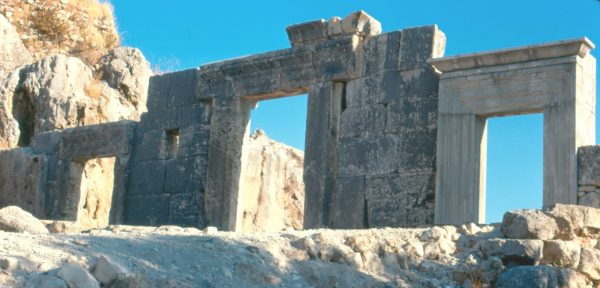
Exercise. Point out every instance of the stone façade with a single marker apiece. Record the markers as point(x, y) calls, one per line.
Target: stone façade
point(371, 139)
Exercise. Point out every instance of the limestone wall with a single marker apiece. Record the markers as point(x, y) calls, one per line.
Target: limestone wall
point(589, 176)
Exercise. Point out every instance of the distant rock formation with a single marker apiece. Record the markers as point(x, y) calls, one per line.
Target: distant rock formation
point(272, 186)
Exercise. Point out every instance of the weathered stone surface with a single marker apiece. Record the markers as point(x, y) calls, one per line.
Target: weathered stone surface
point(272, 189)
point(590, 199)
point(537, 276)
point(126, 70)
point(574, 220)
point(106, 271)
point(588, 165)
point(14, 219)
point(12, 51)
point(47, 281)
point(589, 263)
point(76, 276)
point(528, 224)
point(361, 23)
point(514, 252)
point(21, 179)
point(561, 253)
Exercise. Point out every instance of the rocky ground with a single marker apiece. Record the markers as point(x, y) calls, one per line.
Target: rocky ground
point(557, 247)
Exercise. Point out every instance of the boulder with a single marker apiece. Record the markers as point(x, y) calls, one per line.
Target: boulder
point(513, 252)
point(126, 70)
point(12, 51)
point(538, 276)
point(107, 270)
point(574, 220)
point(15, 219)
point(589, 263)
point(76, 276)
point(561, 253)
point(53, 94)
point(528, 224)
point(46, 281)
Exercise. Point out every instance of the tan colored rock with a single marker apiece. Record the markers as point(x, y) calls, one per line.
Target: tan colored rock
point(361, 23)
point(81, 28)
point(561, 253)
point(12, 51)
point(528, 224)
point(15, 219)
point(271, 185)
point(574, 220)
point(513, 251)
point(589, 263)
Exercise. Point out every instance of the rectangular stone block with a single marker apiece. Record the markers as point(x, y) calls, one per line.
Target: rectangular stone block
point(46, 142)
point(183, 87)
point(148, 210)
point(409, 84)
point(368, 156)
point(146, 178)
point(349, 204)
point(307, 33)
point(197, 113)
point(186, 209)
point(380, 53)
point(148, 146)
point(366, 121)
point(158, 92)
point(588, 158)
point(185, 175)
point(391, 198)
point(419, 44)
point(337, 59)
point(94, 141)
point(165, 118)
point(363, 91)
point(193, 141)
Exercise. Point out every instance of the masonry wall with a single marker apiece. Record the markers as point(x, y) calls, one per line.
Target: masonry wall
point(588, 169)
point(167, 169)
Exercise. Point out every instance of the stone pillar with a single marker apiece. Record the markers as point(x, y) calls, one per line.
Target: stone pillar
point(229, 127)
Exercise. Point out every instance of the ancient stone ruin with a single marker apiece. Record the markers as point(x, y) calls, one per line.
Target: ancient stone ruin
point(396, 134)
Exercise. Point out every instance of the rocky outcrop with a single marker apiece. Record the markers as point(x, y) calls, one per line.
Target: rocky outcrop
point(61, 92)
point(12, 51)
point(82, 28)
point(125, 70)
point(15, 219)
point(271, 185)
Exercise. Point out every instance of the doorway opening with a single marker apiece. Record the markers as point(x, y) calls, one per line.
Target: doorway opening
point(90, 189)
point(514, 174)
point(271, 181)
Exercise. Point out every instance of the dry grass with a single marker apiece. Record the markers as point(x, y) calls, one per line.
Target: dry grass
point(94, 89)
point(81, 28)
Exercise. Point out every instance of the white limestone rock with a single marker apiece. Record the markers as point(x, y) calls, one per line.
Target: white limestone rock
point(126, 70)
point(574, 220)
point(106, 270)
point(12, 51)
point(528, 224)
point(15, 219)
point(271, 185)
point(76, 276)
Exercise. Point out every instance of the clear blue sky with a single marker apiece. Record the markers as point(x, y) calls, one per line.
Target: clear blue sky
point(185, 34)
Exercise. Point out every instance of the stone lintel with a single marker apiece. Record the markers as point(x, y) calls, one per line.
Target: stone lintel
point(575, 47)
